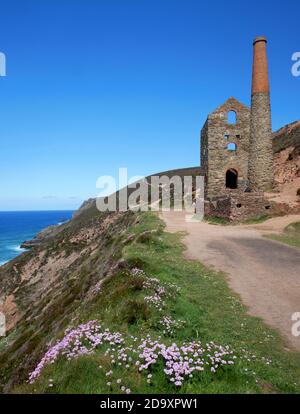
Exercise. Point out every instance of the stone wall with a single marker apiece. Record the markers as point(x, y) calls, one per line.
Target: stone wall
point(261, 170)
point(216, 159)
point(240, 206)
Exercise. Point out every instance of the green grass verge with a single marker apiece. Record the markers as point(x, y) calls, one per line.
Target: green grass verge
point(212, 313)
point(217, 220)
point(257, 220)
point(290, 236)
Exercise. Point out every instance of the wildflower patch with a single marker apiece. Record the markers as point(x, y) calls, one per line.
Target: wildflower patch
point(145, 356)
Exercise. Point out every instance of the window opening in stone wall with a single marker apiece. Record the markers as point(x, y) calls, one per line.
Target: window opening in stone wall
point(231, 146)
point(231, 117)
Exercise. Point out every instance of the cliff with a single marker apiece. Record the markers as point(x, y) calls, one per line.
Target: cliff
point(287, 136)
point(286, 145)
point(41, 289)
point(55, 285)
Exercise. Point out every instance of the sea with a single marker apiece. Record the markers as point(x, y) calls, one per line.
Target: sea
point(18, 226)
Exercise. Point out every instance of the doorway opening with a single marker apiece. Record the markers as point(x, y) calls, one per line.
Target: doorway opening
point(231, 178)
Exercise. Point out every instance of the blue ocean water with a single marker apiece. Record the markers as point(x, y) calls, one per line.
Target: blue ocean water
point(18, 226)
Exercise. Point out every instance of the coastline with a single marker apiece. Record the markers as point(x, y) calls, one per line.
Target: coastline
point(18, 249)
point(36, 225)
point(41, 236)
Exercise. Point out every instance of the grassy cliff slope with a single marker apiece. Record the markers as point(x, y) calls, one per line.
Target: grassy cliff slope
point(159, 324)
point(122, 272)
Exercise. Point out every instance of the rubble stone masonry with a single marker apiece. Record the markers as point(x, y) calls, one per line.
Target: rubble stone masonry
point(216, 159)
point(261, 171)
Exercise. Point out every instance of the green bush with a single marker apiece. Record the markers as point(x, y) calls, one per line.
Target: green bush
point(135, 310)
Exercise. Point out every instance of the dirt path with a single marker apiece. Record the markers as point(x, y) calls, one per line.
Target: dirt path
point(265, 273)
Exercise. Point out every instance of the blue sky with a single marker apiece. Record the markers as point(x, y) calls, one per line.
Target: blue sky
point(94, 85)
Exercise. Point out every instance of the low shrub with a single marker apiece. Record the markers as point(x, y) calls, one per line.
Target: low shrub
point(135, 310)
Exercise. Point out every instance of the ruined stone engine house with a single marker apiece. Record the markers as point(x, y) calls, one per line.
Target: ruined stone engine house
point(236, 150)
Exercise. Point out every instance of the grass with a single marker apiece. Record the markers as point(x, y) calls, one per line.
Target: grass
point(290, 236)
point(211, 311)
point(257, 220)
point(217, 220)
point(224, 221)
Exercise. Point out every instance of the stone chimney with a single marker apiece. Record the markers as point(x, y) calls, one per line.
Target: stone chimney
point(260, 171)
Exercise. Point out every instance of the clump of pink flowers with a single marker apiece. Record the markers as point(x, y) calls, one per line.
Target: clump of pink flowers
point(155, 300)
point(179, 362)
point(143, 355)
point(79, 341)
point(97, 287)
point(160, 290)
point(137, 272)
point(170, 325)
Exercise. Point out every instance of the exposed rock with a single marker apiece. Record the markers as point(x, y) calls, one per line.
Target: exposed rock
point(287, 136)
point(286, 146)
point(8, 306)
point(287, 165)
point(28, 244)
point(43, 235)
point(41, 289)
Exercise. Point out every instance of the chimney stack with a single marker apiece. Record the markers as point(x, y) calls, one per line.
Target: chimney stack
point(260, 172)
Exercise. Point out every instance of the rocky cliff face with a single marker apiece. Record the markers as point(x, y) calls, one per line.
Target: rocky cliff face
point(41, 289)
point(286, 146)
point(287, 136)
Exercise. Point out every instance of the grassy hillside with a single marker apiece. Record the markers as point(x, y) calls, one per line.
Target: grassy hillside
point(122, 272)
point(163, 324)
point(90, 205)
point(44, 287)
point(41, 289)
point(287, 136)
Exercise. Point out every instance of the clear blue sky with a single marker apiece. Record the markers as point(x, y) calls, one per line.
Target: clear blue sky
point(94, 85)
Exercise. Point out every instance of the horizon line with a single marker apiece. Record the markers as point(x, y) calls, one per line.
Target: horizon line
point(34, 211)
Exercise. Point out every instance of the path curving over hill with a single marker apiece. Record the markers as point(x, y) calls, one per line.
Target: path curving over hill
point(265, 273)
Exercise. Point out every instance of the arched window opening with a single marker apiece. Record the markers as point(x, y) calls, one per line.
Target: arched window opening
point(231, 178)
point(231, 146)
point(231, 117)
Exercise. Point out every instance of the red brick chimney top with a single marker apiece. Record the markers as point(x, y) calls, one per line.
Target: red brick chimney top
point(260, 39)
point(260, 78)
